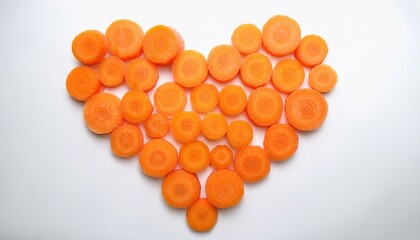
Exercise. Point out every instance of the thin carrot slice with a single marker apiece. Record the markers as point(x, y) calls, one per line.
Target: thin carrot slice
point(181, 189)
point(232, 100)
point(221, 157)
point(157, 126)
point(256, 70)
point(306, 109)
point(264, 106)
point(82, 82)
point(201, 215)
point(322, 78)
point(190, 69)
point(204, 98)
point(224, 62)
point(111, 71)
point(186, 126)
point(288, 75)
point(214, 126)
point(247, 38)
point(194, 156)
point(280, 141)
point(158, 158)
point(126, 140)
point(102, 113)
point(141, 74)
point(125, 39)
point(252, 164)
point(136, 106)
point(239, 134)
point(280, 35)
point(170, 98)
point(89, 47)
point(312, 50)
point(224, 188)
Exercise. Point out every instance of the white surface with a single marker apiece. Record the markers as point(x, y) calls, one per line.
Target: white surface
point(355, 178)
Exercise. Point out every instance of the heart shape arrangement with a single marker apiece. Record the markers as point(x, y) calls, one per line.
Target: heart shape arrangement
point(134, 59)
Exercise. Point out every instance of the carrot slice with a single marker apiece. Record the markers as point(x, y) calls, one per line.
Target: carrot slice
point(126, 140)
point(214, 126)
point(232, 99)
point(190, 69)
point(194, 156)
point(280, 35)
point(158, 158)
point(125, 39)
point(221, 157)
point(157, 126)
point(181, 189)
point(224, 62)
point(141, 74)
point(89, 47)
point(312, 50)
point(224, 188)
point(256, 70)
point(204, 98)
point(111, 71)
point(306, 109)
point(239, 134)
point(247, 38)
point(280, 141)
point(102, 113)
point(170, 98)
point(82, 82)
point(201, 215)
point(264, 106)
point(186, 126)
point(288, 75)
point(252, 164)
point(136, 106)
point(322, 78)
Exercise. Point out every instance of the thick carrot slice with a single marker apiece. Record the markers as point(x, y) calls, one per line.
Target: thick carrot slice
point(306, 109)
point(280, 35)
point(158, 158)
point(204, 98)
point(194, 156)
point(186, 126)
point(82, 82)
point(102, 113)
point(288, 75)
point(201, 215)
point(232, 99)
point(136, 106)
point(125, 39)
point(141, 74)
point(157, 126)
point(256, 70)
point(190, 69)
point(264, 106)
point(181, 189)
point(247, 38)
point(280, 141)
point(214, 126)
point(224, 62)
point(111, 71)
point(312, 50)
point(126, 140)
point(239, 134)
point(170, 98)
point(221, 157)
point(89, 47)
point(252, 164)
point(322, 78)
point(224, 188)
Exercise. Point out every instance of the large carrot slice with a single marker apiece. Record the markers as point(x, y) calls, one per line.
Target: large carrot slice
point(136, 106)
point(181, 189)
point(322, 78)
point(247, 38)
point(252, 164)
point(158, 158)
point(232, 99)
point(141, 74)
point(224, 188)
point(111, 71)
point(186, 126)
point(264, 106)
point(82, 82)
point(256, 70)
point(202, 215)
point(194, 156)
point(280, 141)
point(204, 98)
point(89, 47)
point(288, 75)
point(170, 98)
point(224, 62)
point(312, 50)
point(125, 39)
point(190, 69)
point(126, 140)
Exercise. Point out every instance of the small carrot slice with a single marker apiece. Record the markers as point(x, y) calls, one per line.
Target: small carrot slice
point(322, 78)
point(256, 70)
point(201, 215)
point(280, 35)
point(181, 189)
point(136, 106)
point(221, 157)
point(190, 69)
point(157, 126)
point(186, 126)
point(306, 109)
point(280, 141)
point(288, 75)
point(125, 39)
point(224, 62)
point(264, 106)
point(102, 113)
point(204, 98)
point(224, 188)
point(126, 140)
point(170, 98)
point(239, 134)
point(247, 38)
point(82, 82)
point(214, 126)
point(158, 158)
point(252, 164)
point(111, 71)
point(232, 99)
point(194, 156)
point(89, 47)
point(312, 50)
point(141, 74)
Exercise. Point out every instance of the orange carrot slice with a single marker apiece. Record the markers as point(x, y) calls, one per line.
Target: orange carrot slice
point(180, 189)
point(224, 62)
point(125, 39)
point(158, 158)
point(224, 188)
point(232, 100)
point(264, 106)
point(239, 134)
point(214, 126)
point(170, 98)
point(89, 47)
point(190, 69)
point(322, 78)
point(247, 38)
point(201, 215)
point(312, 50)
point(141, 74)
point(157, 126)
point(136, 106)
point(126, 140)
point(288, 75)
point(186, 126)
point(252, 164)
point(194, 156)
point(221, 157)
point(280, 141)
point(204, 98)
point(111, 71)
point(256, 70)
point(82, 82)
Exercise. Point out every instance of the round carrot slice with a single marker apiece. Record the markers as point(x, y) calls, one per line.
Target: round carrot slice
point(232, 100)
point(82, 82)
point(170, 98)
point(190, 69)
point(224, 188)
point(194, 156)
point(256, 70)
point(252, 164)
point(201, 215)
point(288, 75)
point(157, 126)
point(312, 50)
point(111, 71)
point(322, 78)
point(126, 140)
point(136, 106)
point(224, 62)
point(204, 98)
point(247, 38)
point(280, 141)
point(89, 47)
point(125, 39)
point(158, 158)
point(181, 189)
point(141, 74)
point(221, 157)
point(239, 134)
point(264, 106)
point(214, 126)
point(186, 126)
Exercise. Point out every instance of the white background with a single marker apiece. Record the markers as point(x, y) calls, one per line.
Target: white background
point(357, 177)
